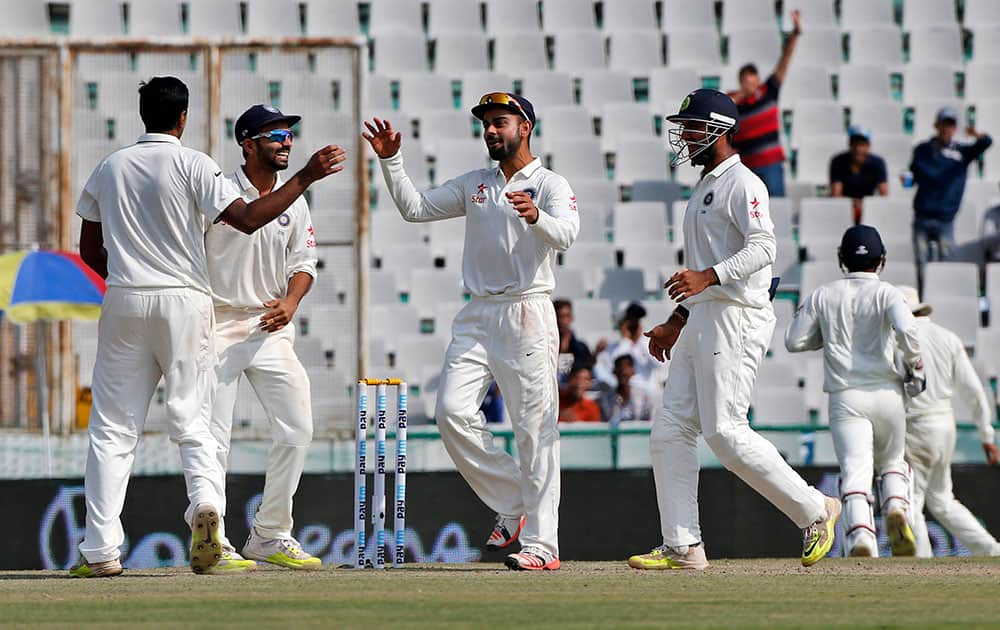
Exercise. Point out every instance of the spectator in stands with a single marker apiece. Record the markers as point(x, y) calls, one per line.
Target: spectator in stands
point(939, 168)
point(991, 234)
point(625, 403)
point(630, 343)
point(572, 351)
point(758, 140)
point(574, 406)
point(857, 172)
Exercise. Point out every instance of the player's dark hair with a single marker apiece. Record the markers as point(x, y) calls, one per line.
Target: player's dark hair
point(747, 68)
point(559, 303)
point(578, 367)
point(162, 100)
point(863, 264)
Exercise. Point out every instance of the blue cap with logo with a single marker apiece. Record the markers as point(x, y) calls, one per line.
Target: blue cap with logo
point(861, 247)
point(258, 116)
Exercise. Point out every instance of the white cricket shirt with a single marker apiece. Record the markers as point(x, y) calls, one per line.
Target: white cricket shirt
point(247, 270)
point(854, 320)
point(151, 199)
point(948, 368)
point(727, 226)
point(503, 255)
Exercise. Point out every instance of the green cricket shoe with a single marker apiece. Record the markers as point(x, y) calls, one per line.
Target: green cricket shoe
point(283, 552)
point(817, 539)
point(671, 558)
point(84, 569)
point(206, 544)
point(901, 537)
point(232, 563)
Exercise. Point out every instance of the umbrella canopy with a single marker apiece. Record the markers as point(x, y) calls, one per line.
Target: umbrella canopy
point(48, 285)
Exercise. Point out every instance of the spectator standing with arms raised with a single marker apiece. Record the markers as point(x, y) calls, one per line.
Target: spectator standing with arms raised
point(939, 167)
point(758, 140)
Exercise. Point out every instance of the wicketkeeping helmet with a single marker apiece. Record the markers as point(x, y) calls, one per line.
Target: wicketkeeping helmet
point(711, 108)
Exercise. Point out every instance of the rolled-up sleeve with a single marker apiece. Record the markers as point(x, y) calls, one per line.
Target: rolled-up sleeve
point(88, 207)
point(302, 256)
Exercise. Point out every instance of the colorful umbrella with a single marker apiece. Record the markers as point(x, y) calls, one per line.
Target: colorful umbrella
point(48, 285)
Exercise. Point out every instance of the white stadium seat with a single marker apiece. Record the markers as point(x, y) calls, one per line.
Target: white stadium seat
point(512, 16)
point(744, 14)
point(866, 13)
point(883, 45)
point(568, 15)
point(687, 15)
point(939, 45)
point(578, 52)
point(453, 16)
point(456, 53)
point(635, 52)
point(519, 53)
point(921, 13)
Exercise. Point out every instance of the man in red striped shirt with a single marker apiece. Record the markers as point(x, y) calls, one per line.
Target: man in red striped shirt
point(759, 137)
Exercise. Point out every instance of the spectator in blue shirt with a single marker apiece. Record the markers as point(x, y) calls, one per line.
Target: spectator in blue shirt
point(857, 172)
point(939, 168)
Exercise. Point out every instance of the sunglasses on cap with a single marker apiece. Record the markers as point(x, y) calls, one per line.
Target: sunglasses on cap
point(275, 135)
point(502, 98)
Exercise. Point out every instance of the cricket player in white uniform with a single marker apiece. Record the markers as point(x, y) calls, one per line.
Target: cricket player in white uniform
point(727, 322)
point(518, 215)
point(258, 281)
point(930, 434)
point(853, 320)
point(143, 211)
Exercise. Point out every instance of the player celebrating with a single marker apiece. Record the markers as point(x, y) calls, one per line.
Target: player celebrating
point(258, 281)
point(146, 204)
point(930, 434)
point(727, 322)
point(853, 319)
point(518, 215)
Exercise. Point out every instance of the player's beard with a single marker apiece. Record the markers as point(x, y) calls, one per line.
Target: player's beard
point(705, 156)
point(274, 162)
point(505, 149)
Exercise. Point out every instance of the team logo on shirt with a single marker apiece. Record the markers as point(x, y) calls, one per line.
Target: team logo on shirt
point(284, 219)
point(572, 203)
point(708, 198)
point(311, 240)
point(480, 196)
point(754, 212)
point(531, 192)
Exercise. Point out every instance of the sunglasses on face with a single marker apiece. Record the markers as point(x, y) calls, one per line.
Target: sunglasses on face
point(502, 98)
point(275, 135)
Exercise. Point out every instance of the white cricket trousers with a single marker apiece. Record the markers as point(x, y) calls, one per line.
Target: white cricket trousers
point(269, 362)
point(930, 446)
point(868, 427)
point(712, 372)
point(143, 335)
point(515, 341)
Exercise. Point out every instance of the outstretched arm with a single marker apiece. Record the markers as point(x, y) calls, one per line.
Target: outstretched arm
point(447, 201)
point(781, 70)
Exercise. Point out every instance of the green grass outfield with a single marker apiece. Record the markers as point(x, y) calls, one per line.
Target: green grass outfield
point(881, 593)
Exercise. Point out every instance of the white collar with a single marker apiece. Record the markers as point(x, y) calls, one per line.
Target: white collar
point(159, 137)
point(246, 185)
point(724, 166)
point(862, 275)
point(526, 171)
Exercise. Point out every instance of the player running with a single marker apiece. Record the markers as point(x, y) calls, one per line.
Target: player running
point(258, 281)
point(930, 434)
point(853, 320)
point(727, 321)
point(146, 204)
point(518, 215)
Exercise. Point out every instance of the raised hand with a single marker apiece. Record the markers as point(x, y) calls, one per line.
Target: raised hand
point(383, 138)
point(326, 161)
point(992, 453)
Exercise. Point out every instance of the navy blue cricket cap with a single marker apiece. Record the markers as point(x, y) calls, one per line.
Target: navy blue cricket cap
point(258, 116)
point(508, 101)
point(861, 247)
point(708, 105)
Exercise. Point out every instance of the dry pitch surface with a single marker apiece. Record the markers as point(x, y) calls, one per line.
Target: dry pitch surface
point(881, 593)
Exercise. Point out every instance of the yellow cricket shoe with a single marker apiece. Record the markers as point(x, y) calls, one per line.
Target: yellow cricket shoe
point(206, 544)
point(901, 537)
point(817, 539)
point(283, 552)
point(664, 557)
point(84, 569)
point(232, 563)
